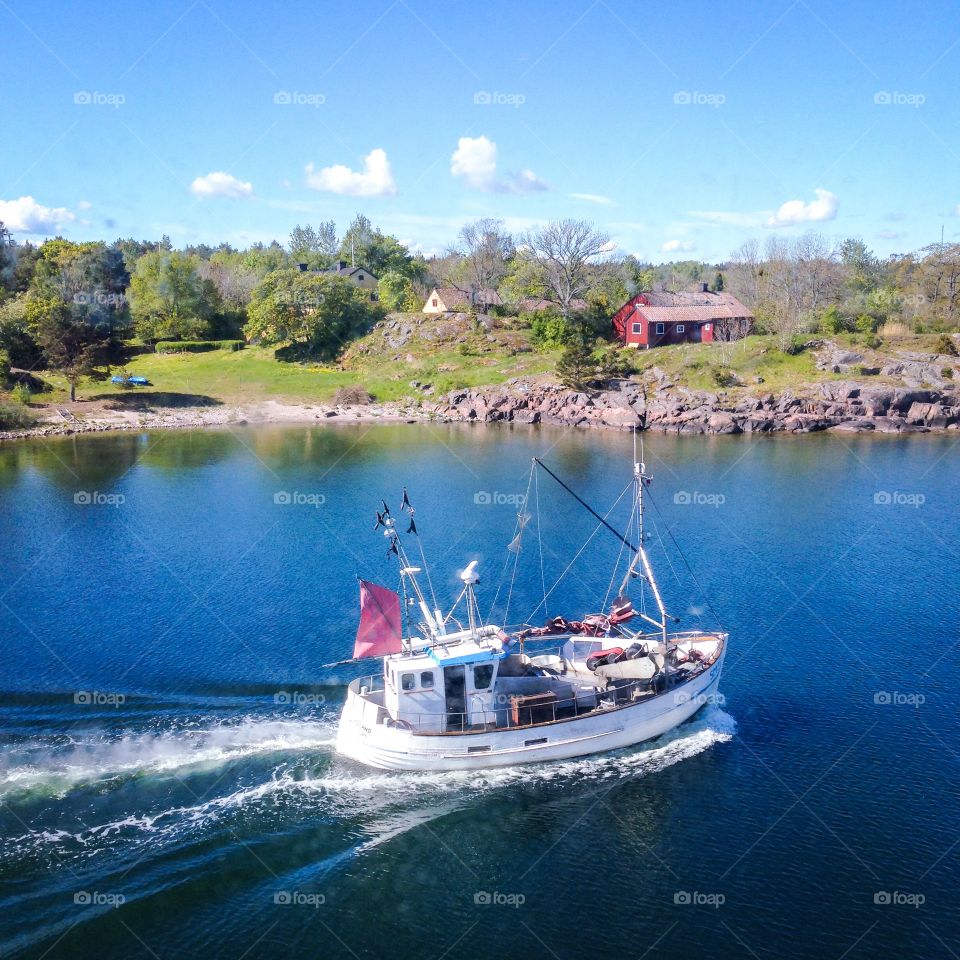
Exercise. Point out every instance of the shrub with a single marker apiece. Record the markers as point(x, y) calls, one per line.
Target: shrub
point(352, 396)
point(945, 346)
point(549, 330)
point(4, 368)
point(724, 378)
point(21, 393)
point(198, 346)
point(947, 373)
point(15, 417)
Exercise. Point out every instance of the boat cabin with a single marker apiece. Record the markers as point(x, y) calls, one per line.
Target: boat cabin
point(445, 687)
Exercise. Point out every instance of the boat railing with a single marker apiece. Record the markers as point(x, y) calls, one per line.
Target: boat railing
point(511, 711)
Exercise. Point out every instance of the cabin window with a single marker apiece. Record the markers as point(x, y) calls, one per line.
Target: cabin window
point(706, 326)
point(680, 328)
point(482, 675)
point(433, 302)
point(426, 679)
point(659, 328)
point(638, 327)
point(360, 276)
point(407, 681)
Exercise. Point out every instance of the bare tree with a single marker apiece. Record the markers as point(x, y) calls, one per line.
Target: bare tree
point(485, 247)
point(565, 250)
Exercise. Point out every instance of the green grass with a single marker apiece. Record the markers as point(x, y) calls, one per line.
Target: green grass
point(254, 374)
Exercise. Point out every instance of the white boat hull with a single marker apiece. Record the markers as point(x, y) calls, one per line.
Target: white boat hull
point(393, 748)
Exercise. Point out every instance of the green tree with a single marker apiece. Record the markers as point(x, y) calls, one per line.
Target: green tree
point(576, 366)
point(169, 299)
point(71, 344)
point(397, 293)
point(318, 313)
point(365, 246)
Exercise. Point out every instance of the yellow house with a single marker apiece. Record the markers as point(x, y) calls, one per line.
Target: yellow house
point(453, 300)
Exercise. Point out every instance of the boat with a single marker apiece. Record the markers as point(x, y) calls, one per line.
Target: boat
point(452, 695)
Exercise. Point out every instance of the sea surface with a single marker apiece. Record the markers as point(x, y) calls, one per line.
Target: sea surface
point(168, 784)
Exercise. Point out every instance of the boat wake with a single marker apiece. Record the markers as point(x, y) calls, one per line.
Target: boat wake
point(310, 788)
point(53, 766)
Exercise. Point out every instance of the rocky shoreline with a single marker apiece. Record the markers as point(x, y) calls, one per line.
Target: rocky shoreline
point(841, 405)
point(652, 403)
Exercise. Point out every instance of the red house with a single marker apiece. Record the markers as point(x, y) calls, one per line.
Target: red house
point(658, 317)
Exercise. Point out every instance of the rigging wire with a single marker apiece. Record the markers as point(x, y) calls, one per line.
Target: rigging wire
point(543, 579)
point(686, 563)
point(521, 524)
point(603, 523)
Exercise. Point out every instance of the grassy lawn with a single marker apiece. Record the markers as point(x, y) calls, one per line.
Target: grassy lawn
point(254, 374)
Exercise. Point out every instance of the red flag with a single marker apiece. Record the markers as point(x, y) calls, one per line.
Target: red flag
point(379, 631)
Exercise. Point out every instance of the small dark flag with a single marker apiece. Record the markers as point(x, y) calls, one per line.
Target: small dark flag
point(406, 502)
point(386, 509)
point(393, 549)
point(413, 527)
point(379, 523)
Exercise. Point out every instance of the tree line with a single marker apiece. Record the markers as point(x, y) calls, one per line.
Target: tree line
point(71, 306)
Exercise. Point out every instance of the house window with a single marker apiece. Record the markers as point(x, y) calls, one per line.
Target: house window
point(426, 679)
point(407, 681)
point(433, 302)
point(659, 328)
point(706, 326)
point(360, 277)
point(680, 328)
point(638, 327)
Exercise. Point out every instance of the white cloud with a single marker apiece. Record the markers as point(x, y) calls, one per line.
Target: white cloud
point(475, 161)
point(592, 198)
point(27, 216)
point(796, 211)
point(375, 180)
point(220, 184)
point(732, 218)
point(957, 210)
point(672, 245)
point(890, 235)
point(526, 181)
point(84, 205)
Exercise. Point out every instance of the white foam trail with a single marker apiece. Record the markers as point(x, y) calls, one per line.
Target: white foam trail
point(44, 767)
point(351, 792)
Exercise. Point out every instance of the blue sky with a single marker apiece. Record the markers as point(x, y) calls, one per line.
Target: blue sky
point(681, 129)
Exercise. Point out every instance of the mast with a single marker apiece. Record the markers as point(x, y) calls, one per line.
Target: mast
point(431, 621)
point(640, 478)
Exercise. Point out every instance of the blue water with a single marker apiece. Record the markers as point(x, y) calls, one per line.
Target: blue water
point(166, 724)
